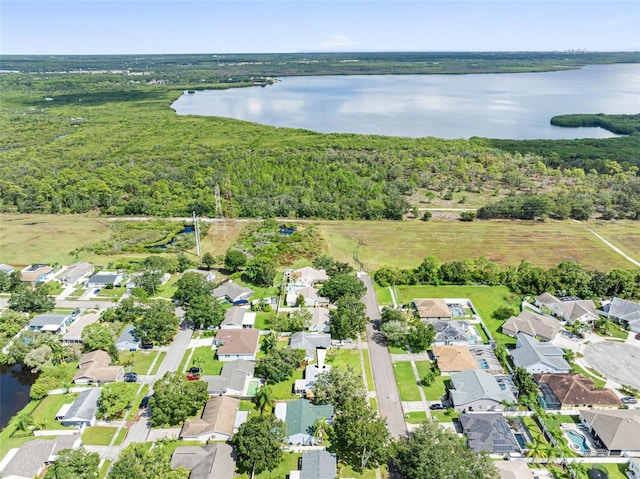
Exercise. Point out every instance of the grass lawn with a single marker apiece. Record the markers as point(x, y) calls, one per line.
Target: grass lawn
point(161, 356)
point(416, 417)
point(483, 335)
point(486, 300)
point(623, 234)
point(373, 403)
point(553, 421)
point(423, 368)
point(444, 416)
point(288, 464)
point(142, 361)
point(104, 469)
point(204, 357)
point(575, 368)
point(98, 435)
point(284, 389)
point(348, 472)
point(615, 331)
point(54, 288)
point(406, 381)
point(246, 405)
point(534, 429)
point(342, 358)
point(437, 389)
point(383, 295)
point(46, 411)
point(397, 350)
point(615, 471)
point(168, 289)
point(367, 365)
point(261, 320)
point(113, 293)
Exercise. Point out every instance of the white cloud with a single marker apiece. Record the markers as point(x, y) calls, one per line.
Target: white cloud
point(337, 41)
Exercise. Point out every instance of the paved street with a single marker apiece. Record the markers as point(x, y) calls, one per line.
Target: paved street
point(389, 404)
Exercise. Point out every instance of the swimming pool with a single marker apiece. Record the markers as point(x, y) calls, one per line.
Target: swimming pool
point(577, 442)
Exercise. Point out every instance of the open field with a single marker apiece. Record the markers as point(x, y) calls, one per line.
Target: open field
point(405, 244)
point(622, 234)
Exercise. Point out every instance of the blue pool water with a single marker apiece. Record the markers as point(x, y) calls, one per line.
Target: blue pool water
point(521, 440)
point(578, 440)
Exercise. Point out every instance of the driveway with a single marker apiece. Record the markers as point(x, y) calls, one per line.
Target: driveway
point(389, 405)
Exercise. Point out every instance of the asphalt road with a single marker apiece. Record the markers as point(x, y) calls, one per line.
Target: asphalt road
point(389, 405)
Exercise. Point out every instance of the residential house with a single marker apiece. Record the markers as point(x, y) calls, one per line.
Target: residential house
point(310, 342)
point(455, 333)
point(304, 386)
point(213, 461)
point(74, 331)
point(6, 269)
point(625, 312)
point(452, 359)
point(218, 421)
point(569, 308)
point(53, 323)
point(618, 431)
point(128, 339)
point(232, 292)
point(75, 273)
point(320, 320)
point(301, 416)
point(574, 391)
point(95, 368)
point(538, 357)
point(33, 456)
point(490, 433)
point(306, 276)
point(432, 309)
point(36, 273)
point(238, 317)
point(477, 390)
point(309, 294)
point(634, 468)
point(541, 327)
point(104, 279)
point(514, 469)
point(316, 464)
point(208, 275)
point(237, 343)
point(232, 379)
point(82, 412)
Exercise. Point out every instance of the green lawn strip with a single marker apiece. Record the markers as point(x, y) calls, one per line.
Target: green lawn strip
point(136, 402)
point(288, 464)
point(171, 445)
point(284, 389)
point(437, 389)
point(204, 357)
point(576, 368)
point(348, 472)
point(142, 361)
point(54, 288)
point(384, 295)
point(369, 372)
point(121, 435)
point(98, 435)
point(246, 405)
point(486, 300)
point(342, 358)
point(397, 350)
point(483, 335)
point(406, 381)
point(45, 413)
point(423, 368)
point(261, 320)
point(102, 473)
point(185, 358)
point(553, 421)
point(161, 356)
point(534, 429)
point(615, 331)
point(114, 293)
point(168, 289)
point(416, 417)
point(373, 403)
point(444, 416)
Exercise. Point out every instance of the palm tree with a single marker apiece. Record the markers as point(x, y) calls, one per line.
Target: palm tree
point(24, 421)
point(537, 449)
point(57, 351)
point(264, 398)
point(319, 429)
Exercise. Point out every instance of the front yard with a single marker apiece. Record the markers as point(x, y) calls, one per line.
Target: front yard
point(406, 380)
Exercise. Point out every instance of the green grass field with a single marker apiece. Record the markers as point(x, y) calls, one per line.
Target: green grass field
point(416, 417)
point(204, 357)
point(406, 381)
point(98, 435)
point(45, 412)
point(142, 361)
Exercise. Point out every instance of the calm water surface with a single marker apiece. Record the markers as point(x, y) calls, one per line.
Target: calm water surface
point(515, 106)
point(15, 384)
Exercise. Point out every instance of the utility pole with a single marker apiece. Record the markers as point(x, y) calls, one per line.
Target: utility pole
point(197, 233)
point(219, 214)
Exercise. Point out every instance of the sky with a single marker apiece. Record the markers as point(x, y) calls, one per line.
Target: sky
point(268, 26)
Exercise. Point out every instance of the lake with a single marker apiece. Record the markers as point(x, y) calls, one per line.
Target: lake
point(511, 106)
point(15, 384)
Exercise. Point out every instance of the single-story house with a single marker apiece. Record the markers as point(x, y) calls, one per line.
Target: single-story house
point(300, 416)
point(304, 386)
point(94, 368)
point(316, 464)
point(74, 331)
point(36, 273)
point(237, 343)
point(619, 431)
point(455, 332)
point(309, 342)
point(232, 292)
point(213, 461)
point(320, 320)
point(232, 379)
point(310, 295)
point(432, 309)
point(625, 312)
point(105, 278)
point(75, 273)
point(574, 391)
point(238, 317)
point(6, 268)
point(53, 323)
point(128, 339)
point(537, 325)
point(477, 390)
point(514, 469)
point(538, 357)
point(490, 433)
point(218, 421)
point(306, 276)
point(569, 308)
point(452, 359)
point(208, 275)
point(32, 457)
point(83, 410)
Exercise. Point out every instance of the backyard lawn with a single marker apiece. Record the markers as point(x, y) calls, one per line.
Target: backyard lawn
point(142, 361)
point(45, 413)
point(288, 464)
point(98, 435)
point(284, 389)
point(406, 381)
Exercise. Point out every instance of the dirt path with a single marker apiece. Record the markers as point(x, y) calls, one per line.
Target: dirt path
point(615, 248)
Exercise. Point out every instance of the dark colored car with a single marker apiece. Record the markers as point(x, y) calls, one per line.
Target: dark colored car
point(146, 346)
point(130, 377)
point(629, 400)
point(436, 406)
point(195, 370)
point(145, 402)
point(637, 335)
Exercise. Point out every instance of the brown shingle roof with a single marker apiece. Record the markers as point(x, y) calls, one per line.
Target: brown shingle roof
point(432, 308)
point(454, 358)
point(576, 389)
point(219, 416)
point(238, 341)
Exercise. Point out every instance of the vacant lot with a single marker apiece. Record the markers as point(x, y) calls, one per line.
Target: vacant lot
point(623, 234)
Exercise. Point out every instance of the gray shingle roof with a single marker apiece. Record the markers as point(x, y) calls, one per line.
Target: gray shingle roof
point(474, 385)
point(127, 337)
point(533, 324)
point(232, 291)
point(530, 352)
point(309, 342)
point(489, 432)
point(624, 310)
point(32, 455)
point(318, 464)
point(213, 461)
point(46, 319)
point(233, 376)
point(84, 408)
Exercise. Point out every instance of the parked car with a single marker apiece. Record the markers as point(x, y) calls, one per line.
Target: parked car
point(145, 402)
point(637, 335)
point(130, 377)
point(146, 346)
point(436, 406)
point(629, 400)
point(193, 377)
point(195, 370)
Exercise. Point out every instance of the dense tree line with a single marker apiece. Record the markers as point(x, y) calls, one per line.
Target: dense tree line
point(567, 278)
